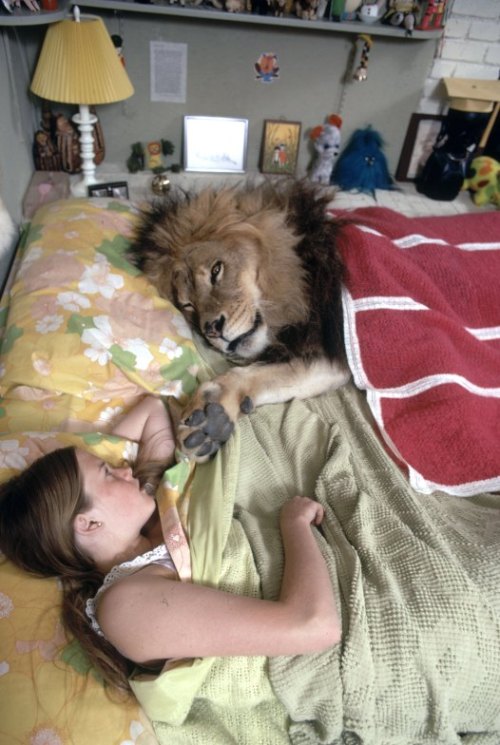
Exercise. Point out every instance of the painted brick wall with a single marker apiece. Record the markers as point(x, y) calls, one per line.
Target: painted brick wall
point(470, 48)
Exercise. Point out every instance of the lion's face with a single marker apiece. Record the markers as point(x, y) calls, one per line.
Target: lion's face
point(217, 289)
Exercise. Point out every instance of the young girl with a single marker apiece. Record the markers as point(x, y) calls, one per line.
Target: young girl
point(97, 528)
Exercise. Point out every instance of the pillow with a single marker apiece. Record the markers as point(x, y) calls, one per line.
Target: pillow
point(85, 333)
point(48, 692)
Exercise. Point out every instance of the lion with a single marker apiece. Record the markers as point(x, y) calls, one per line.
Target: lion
point(255, 271)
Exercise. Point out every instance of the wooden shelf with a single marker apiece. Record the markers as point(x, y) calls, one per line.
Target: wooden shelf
point(25, 17)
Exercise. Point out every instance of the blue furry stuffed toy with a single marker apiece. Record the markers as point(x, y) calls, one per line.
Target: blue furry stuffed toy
point(362, 166)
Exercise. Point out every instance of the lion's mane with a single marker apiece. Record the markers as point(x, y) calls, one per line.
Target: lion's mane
point(299, 268)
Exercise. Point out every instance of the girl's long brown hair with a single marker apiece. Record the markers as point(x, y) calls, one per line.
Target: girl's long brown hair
point(37, 509)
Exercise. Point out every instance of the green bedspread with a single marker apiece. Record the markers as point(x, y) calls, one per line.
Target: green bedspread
point(418, 582)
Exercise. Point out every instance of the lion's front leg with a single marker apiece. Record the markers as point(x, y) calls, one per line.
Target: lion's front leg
point(209, 419)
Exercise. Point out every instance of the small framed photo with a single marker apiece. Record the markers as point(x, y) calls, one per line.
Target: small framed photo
point(215, 143)
point(420, 137)
point(117, 189)
point(280, 146)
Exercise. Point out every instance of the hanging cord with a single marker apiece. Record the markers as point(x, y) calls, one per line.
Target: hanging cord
point(361, 73)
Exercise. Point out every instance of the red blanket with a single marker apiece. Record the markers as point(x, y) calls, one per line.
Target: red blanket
point(422, 324)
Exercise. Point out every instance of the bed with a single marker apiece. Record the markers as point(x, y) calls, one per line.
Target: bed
point(83, 337)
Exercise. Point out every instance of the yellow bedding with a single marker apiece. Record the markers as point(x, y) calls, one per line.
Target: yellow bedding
point(84, 336)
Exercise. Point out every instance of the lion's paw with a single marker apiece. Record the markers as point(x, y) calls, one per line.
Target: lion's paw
point(203, 432)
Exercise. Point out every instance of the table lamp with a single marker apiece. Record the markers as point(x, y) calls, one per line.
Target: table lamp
point(78, 64)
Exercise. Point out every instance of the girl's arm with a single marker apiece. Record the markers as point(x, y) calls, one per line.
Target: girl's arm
point(148, 617)
point(148, 423)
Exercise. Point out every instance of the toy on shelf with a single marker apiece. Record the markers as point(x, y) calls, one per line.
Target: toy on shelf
point(371, 11)
point(362, 166)
point(401, 13)
point(309, 10)
point(344, 10)
point(151, 157)
point(432, 15)
point(154, 156)
point(56, 146)
point(483, 181)
point(136, 160)
point(326, 139)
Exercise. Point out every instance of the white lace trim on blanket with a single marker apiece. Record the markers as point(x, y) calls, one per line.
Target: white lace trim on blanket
point(158, 555)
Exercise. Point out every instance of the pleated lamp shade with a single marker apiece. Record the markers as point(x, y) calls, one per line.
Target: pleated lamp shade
point(79, 64)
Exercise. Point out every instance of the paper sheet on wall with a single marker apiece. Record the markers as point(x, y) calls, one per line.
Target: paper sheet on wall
point(168, 63)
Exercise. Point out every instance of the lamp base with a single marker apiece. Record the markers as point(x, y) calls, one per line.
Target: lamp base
point(85, 122)
point(80, 188)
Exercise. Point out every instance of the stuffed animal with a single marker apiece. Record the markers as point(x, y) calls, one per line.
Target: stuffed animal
point(483, 181)
point(362, 166)
point(371, 11)
point(308, 10)
point(433, 16)
point(401, 13)
point(326, 139)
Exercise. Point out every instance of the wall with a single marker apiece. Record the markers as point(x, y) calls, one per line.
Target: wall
point(316, 79)
point(222, 82)
point(470, 48)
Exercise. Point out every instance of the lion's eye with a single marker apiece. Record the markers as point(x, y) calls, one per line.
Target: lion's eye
point(215, 272)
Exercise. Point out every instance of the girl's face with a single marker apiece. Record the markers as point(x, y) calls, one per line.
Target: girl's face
point(115, 496)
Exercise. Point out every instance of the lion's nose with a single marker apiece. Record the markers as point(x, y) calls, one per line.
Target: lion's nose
point(214, 328)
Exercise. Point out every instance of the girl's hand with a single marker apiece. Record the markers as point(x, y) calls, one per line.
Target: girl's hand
point(301, 509)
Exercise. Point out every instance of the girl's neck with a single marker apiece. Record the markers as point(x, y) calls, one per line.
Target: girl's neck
point(152, 531)
point(150, 537)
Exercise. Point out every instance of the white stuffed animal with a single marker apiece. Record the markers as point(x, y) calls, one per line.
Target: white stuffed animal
point(326, 139)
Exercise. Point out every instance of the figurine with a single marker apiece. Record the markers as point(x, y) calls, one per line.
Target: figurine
point(154, 155)
point(45, 153)
point(282, 7)
point(483, 181)
point(308, 10)
point(235, 6)
point(326, 139)
point(371, 11)
point(362, 166)
point(401, 13)
point(67, 144)
point(433, 16)
point(136, 160)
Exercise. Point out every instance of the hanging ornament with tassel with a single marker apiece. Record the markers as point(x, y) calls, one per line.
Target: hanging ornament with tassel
point(361, 72)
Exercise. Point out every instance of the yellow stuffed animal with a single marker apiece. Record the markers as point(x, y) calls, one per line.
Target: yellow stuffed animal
point(484, 181)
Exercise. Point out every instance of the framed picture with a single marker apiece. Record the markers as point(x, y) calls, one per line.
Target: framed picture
point(215, 143)
point(280, 146)
point(421, 135)
point(113, 189)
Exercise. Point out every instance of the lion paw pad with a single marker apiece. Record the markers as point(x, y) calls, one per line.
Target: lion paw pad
point(210, 428)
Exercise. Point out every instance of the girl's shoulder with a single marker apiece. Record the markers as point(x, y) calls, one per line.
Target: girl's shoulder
point(156, 562)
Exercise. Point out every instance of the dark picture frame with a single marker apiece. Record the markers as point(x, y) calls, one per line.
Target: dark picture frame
point(420, 137)
point(117, 189)
point(280, 147)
